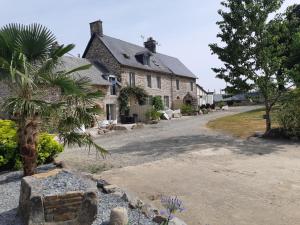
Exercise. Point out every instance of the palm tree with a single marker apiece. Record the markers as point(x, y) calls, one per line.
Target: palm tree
point(29, 55)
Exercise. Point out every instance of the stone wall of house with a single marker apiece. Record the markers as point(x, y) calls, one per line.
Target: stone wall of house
point(141, 81)
point(106, 99)
point(184, 87)
point(98, 51)
point(167, 81)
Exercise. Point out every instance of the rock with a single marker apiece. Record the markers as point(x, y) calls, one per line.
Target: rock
point(148, 210)
point(105, 131)
point(118, 194)
point(177, 115)
point(60, 164)
point(159, 219)
point(176, 221)
point(101, 183)
point(132, 200)
point(225, 107)
point(111, 188)
point(118, 216)
point(169, 112)
point(137, 126)
point(100, 132)
point(118, 127)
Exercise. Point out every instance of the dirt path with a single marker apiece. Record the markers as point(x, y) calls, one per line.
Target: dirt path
point(222, 181)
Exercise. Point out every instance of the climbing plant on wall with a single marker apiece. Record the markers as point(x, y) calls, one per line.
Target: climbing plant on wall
point(125, 93)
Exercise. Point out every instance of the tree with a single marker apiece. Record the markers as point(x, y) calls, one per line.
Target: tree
point(252, 49)
point(28, 60)
point(292, 39)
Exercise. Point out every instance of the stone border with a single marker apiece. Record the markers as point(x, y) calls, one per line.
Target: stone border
point(134, 202)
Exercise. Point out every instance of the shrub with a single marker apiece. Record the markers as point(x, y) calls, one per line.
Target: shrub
point(288, 114)
point(157, 103)
point(48, 148)
point(152, 114)
point(8, 143)
point(10, 158)
point(187, 109)
point(220, 104)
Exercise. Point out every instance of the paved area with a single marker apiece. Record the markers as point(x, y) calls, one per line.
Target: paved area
point(223, 181)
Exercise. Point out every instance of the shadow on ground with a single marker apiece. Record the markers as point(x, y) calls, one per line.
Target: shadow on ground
point(10, 217)
point(183, 144)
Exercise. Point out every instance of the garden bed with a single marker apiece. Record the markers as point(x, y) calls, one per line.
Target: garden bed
point(10, 190)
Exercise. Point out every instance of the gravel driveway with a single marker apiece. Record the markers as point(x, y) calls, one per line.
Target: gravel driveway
point(151, 143)
point(221, 180)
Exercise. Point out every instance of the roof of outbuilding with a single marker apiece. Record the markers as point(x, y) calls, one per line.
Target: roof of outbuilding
point(94, 73)
point(126, 52)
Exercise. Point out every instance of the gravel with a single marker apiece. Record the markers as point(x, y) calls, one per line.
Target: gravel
point(62, 182)
point(10, 190)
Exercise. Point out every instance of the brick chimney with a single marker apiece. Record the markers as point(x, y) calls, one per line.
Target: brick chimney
point(150, 44)
point(96, 28)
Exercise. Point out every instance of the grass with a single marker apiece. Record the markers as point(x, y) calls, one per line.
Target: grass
point(242, 125)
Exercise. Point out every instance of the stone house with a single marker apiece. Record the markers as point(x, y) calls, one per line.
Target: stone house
point(99, 77)
point(133, 65)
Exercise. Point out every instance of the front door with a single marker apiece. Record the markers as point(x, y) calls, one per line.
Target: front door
point(111, 112)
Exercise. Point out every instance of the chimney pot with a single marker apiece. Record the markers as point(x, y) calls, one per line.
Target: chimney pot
point(96, 28)
point(150, 44)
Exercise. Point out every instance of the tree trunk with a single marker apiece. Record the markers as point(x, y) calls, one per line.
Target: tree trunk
point(268, 119)
point(28, 144)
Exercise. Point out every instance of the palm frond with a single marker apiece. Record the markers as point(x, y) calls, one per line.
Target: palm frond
point(82, 139)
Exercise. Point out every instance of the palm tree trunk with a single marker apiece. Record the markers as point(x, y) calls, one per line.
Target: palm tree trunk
point(28, 144)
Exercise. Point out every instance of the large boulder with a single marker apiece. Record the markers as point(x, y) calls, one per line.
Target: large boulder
point(118, 216)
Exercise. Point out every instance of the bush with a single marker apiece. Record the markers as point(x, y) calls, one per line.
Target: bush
point(152, 114)
point(288, 114)
point(187, 109)
point(10, 158)
point(48, 148)
point(8, 144)
point(157, 103)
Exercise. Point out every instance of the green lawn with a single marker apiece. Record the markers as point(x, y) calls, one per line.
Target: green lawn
point(241, 125)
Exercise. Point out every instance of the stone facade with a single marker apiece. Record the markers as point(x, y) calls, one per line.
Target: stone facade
point(168, 84)
point(107, 99)
point(98, 51)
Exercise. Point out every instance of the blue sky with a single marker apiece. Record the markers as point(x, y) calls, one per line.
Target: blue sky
point(183, 28)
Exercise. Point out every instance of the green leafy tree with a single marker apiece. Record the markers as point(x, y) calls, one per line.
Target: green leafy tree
point(292, 39)
point(29, 55)
point(252, 49)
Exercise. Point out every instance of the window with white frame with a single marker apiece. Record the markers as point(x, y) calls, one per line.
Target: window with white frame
point(149, 81)
point(131, 79)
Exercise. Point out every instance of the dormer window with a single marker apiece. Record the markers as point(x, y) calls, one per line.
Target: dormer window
point(146, 60)
point(144, 57)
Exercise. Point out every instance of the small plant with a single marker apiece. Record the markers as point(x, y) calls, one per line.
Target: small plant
point(172, 205)
point(187, 109)
point(157, 103)
point(152, 114)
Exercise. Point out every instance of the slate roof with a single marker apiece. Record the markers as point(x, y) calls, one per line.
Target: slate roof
point(95, 73)
point(202, 88)
point(238, 97)
point(218, 98)
point(126, 52)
